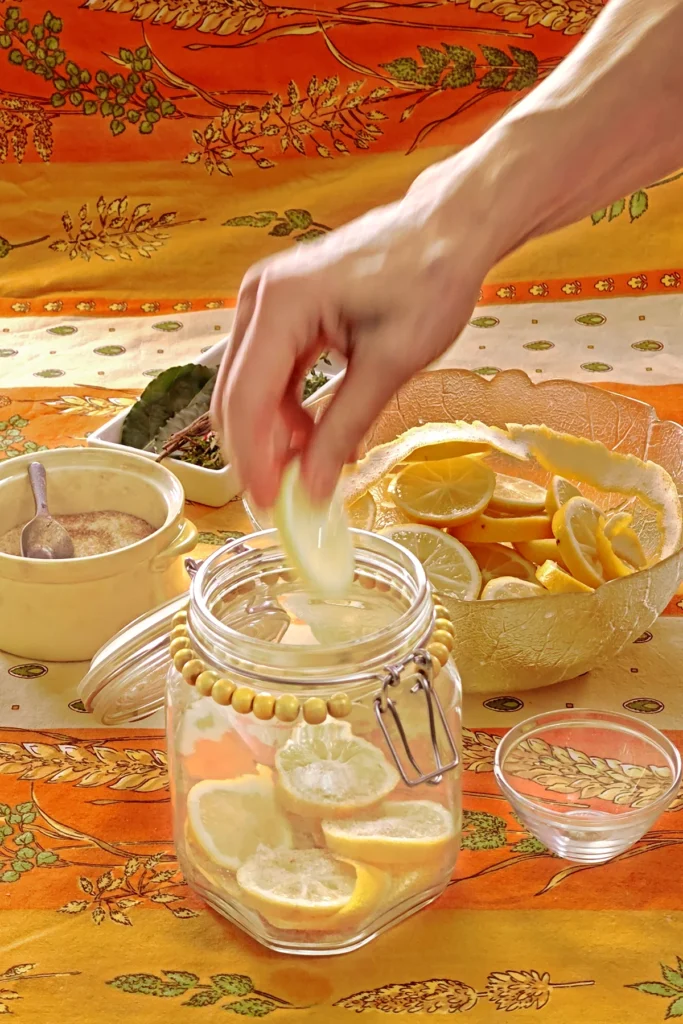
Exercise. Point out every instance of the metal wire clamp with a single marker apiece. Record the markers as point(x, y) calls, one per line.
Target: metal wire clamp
point(384, 703)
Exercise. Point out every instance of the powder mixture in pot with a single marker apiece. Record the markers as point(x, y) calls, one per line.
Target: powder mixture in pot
point(93, 533)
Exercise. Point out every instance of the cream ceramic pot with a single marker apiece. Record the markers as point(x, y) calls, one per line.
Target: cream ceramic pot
point(65, 610)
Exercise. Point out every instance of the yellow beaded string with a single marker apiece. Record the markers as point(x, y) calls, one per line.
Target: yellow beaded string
point(285, 707)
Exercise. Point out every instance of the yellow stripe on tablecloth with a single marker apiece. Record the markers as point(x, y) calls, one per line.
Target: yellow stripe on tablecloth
point(586, 966)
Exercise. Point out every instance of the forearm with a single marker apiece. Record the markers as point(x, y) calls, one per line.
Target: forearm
point(608, 121)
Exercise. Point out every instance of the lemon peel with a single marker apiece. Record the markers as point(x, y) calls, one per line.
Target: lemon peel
point(592, 463)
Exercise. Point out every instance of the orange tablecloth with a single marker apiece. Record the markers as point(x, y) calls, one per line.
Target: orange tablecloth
point(96, 922)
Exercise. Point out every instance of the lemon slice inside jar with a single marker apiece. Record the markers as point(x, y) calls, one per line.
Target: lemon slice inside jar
point(325, 771)
point(405, 832)
point(229, 819)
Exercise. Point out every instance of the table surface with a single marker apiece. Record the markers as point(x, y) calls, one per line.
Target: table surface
point(96, 920)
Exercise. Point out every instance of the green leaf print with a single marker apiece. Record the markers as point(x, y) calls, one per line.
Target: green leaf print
point(403, 69)
point(483, 831)
point(538, 346)
point(183, 978)
point(596, 367)
point(638, 204)
point(616, 209)
point(591, 319)
point(598, 216)
point(233, 984)
point(647, 346)
point(281, 229)
point(530, 845)
point(147, 985)
point(496, 57)
point(299, 219)
point(168, 326)
point(205, 997)
point(109, 350)
point(484, 321)
point(63, 330)
point(255, 1007)
point(256, 220)
point(671, 988)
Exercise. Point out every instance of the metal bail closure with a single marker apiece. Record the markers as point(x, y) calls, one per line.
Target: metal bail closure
point(384, 703)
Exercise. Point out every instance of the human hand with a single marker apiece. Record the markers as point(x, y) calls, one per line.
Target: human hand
point(389, 291)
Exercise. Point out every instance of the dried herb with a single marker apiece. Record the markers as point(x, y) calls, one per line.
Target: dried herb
point(314, 380)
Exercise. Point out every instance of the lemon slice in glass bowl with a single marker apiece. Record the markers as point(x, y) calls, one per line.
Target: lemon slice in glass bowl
point(444, 492)
point(576, 526)
point(515, 495)
point(498, 560)
point(449, 566)
point(505, 588)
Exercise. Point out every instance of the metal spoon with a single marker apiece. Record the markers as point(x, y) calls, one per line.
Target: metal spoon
point(44, 537)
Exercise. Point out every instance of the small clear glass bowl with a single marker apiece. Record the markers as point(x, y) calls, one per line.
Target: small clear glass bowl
point(587, 784)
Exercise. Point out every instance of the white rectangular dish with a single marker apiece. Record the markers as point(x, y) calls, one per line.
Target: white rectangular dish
point(213, 487)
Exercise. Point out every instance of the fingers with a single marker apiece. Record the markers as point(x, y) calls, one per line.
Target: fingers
point(374, 374)
point(246, 303)
point(259, 418)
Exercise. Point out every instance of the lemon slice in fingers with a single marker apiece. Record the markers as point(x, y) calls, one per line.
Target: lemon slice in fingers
point(315, 537)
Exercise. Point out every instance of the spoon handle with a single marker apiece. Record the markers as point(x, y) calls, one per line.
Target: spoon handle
point(36, 474)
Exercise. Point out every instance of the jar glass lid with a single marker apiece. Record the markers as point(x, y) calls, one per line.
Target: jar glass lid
point(127, 677)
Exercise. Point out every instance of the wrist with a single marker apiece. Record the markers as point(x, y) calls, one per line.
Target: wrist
point(478, 199)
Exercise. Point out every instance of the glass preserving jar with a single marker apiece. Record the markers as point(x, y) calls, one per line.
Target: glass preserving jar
point(314, 746)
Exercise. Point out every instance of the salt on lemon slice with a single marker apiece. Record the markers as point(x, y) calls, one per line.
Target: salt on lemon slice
point(325, 771)
point(445, 492)
point(296, 884)
point(515, 495)
point(558, 494)
point(557, 581)
point(590, 462)
point(449, 566)
point(575, 526)
point(303, 890)
point(404, 832)
point(497, 560)
point(381, 459)
point(231, 818)
point(316, 538)
point(487, 529)
point(505, 588)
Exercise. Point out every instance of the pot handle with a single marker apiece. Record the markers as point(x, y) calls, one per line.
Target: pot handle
point(184, 542)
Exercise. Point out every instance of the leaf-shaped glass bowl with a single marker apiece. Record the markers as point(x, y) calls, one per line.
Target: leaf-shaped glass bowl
point(513, 645)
